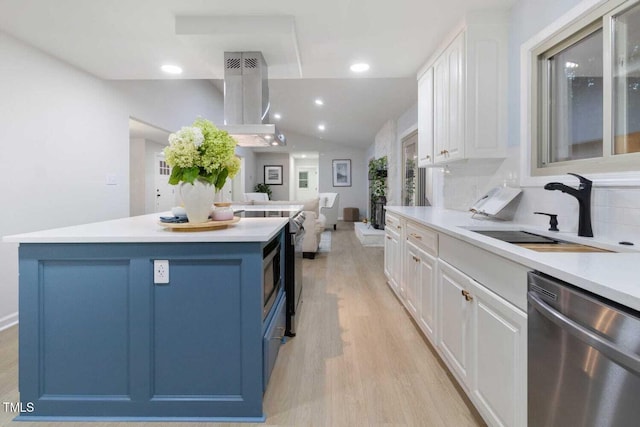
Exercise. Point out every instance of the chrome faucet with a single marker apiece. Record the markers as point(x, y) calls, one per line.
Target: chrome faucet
point(583, 195)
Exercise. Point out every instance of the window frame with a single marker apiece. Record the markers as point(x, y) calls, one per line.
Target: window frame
point(580, 22)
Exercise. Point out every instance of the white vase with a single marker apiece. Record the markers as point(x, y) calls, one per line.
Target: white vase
point(197, 199)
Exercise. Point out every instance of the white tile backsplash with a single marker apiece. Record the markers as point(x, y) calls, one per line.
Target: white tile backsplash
point(615, 211)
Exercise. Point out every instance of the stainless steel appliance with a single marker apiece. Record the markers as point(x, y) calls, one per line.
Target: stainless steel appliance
point(293, 271)
point(583, 357)
point(294, 234)
point(272, 277)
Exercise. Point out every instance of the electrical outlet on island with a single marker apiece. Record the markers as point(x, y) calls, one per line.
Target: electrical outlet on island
point(160, 271)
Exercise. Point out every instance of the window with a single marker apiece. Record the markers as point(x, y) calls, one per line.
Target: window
point(303, 179)
point(586, 87)
point(164, 168)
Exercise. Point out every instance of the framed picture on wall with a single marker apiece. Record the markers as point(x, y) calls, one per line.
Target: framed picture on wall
point(273, 174)
point(342, 173)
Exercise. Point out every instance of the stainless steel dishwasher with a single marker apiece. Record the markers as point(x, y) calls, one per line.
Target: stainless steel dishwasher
point(583, 358)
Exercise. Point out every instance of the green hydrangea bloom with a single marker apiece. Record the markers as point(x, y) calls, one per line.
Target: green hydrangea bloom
point(202, 152)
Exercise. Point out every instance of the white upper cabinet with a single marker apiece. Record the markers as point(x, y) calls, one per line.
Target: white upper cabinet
point(462, 114)
point(425, 124)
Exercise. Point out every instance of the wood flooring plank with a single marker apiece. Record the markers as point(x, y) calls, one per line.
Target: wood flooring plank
point(358, 359)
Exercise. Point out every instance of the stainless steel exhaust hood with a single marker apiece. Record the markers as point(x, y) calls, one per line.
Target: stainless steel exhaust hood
point(246, 101)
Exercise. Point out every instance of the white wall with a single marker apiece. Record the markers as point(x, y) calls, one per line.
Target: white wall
point(137, 178)
point(250, 178)
point(63, 132)
point(388, 142)
point(279, 192)
point(350, 197)
point(354, 196)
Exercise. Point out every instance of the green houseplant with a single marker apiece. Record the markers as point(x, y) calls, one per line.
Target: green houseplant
point(377, 190)
point(263, 188)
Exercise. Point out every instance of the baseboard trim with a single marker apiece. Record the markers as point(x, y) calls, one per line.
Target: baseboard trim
point(9, 321)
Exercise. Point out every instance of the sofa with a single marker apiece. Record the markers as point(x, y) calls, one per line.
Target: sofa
point(256, 197)
point(329, 206)
point(314, 223)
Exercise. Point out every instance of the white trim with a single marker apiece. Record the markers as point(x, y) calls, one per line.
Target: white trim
point(460, 27)
point(413, 128)
point(8, 321)
point(609, 179)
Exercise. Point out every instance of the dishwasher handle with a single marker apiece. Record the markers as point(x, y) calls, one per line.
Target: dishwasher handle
point(620, 355)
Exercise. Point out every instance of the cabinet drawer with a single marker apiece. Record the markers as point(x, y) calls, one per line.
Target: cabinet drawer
point(392, 222)
point(273, 339)
point(502, 276)
point(424, 238)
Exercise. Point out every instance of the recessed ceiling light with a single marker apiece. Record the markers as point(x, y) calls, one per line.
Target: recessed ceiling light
point(360, 67)
point(268, 137)
point(321, 127)
point(277, 116)
point(274, 143)
point(304, 156)
point(319, 101)
point(171, 69)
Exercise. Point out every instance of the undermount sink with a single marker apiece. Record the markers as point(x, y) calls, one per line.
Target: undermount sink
point(536, 242)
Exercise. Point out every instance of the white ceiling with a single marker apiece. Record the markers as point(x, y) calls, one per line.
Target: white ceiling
point(308, 47)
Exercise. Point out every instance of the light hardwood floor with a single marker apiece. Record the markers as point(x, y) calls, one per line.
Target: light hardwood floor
point(358, 359)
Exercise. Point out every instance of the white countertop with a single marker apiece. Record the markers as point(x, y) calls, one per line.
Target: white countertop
point(146, 229)
point(259, 207)
point(611, 275)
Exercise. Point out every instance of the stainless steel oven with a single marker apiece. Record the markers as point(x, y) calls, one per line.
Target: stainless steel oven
point(272, 276)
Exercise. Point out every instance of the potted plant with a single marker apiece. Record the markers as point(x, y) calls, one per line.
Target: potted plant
point(378, 190)
point(202, 157)
point(263, 188)
point(378, 168)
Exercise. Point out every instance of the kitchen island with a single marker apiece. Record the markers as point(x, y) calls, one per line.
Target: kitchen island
point(99, 340)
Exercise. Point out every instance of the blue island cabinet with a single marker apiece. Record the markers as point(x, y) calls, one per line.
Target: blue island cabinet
point(100, 341)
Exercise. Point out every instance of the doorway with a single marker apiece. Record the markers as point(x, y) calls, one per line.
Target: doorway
point(305, 179)
point(149, 189)
point(306, 182)
point(165, 192)
point(413, 177)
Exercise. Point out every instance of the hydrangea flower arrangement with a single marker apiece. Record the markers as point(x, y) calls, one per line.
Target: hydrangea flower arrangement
point(201, 151)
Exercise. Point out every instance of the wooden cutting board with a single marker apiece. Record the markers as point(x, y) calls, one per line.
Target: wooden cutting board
point(203, 226)
point(562, 247)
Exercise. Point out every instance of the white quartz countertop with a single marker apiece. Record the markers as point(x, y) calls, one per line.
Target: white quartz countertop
point(146, 229)
point(611, 275)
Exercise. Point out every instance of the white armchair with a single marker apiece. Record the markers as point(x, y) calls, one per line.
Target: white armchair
point(256, 197)
point(329, 206)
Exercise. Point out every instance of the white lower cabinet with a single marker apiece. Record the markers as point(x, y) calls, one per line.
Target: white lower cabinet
point(392, 259)
point(419, 274)
point(479, 329)
point(412, 278)
point(499, 380)
point(427, 304)
point(483, 339)
point(454, 320)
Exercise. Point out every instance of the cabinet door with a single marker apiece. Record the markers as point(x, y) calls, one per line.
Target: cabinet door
point(391, 260)
point(440, 108)
point(425, 119)
point(412, 278)
point(427, 295)
point(455, 63)
point(454, 320)
point(498, 385)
